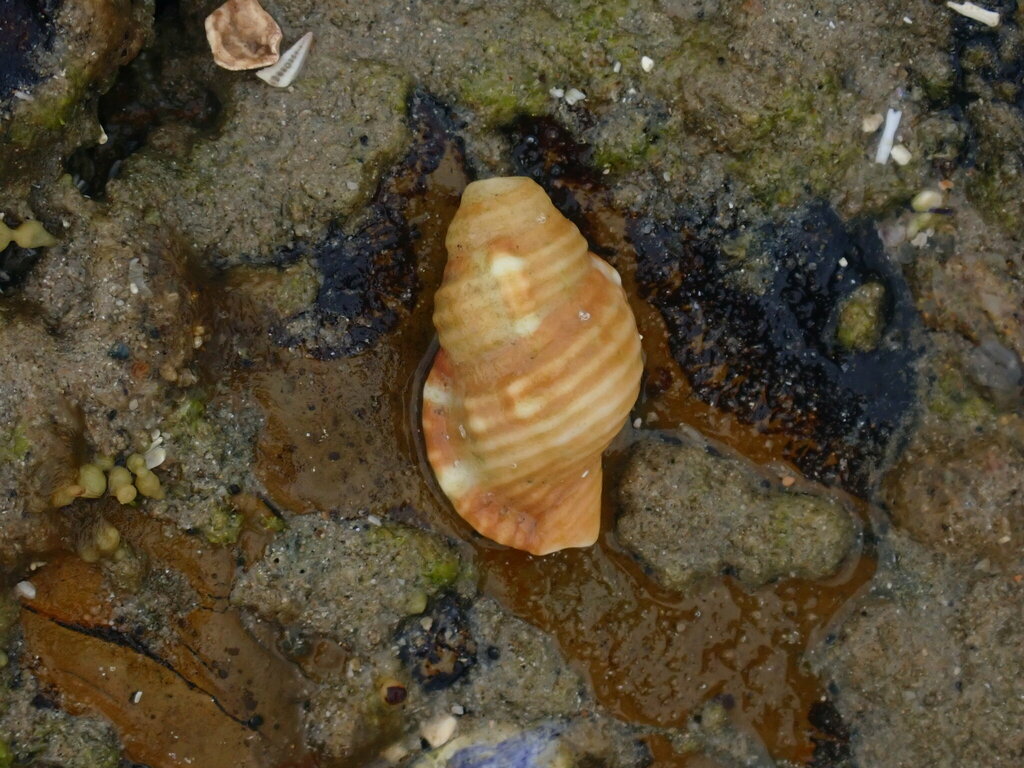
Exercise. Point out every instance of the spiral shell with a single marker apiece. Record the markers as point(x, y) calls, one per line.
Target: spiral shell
point(539, 364)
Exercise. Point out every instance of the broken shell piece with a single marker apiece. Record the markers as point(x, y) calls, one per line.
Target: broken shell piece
point(243, 36)
point(282, 74)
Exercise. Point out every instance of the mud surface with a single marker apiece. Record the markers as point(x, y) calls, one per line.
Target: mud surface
point(811, 548)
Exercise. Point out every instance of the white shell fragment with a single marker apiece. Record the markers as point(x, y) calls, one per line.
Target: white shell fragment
point(976, 12)
point(242, 35)
point(282, 74)
point(892, 122)
point(155, 456)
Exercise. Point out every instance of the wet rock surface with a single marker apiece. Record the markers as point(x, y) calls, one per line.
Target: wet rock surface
point(924, 645)
point(689, 513)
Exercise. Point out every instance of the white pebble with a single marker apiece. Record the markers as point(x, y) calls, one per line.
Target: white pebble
point(900, 154)
point(637, 422)
point(557, 93)
point(458, 709)
point(574, 95)
point(843, 262)
point(872, 123)
point(136, 697)
point(438, 731)
point(352, 186)
point(617, 67)
point(646, 63)
point(25, 589)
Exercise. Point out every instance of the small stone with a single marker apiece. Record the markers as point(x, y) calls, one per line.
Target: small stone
point(925, 200)
point(119, 351)
point(574, 95)
point(900, 154)
point(861, 318)
point(872, 122)
point(25, 589)
point(646, 63)
point(439, 731)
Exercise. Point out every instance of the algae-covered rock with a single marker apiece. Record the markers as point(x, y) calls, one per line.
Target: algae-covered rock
point(69, 54)
point(34, 732)
point(348, 579)
point(861, 318)
point(690, 513)
point(997, 186)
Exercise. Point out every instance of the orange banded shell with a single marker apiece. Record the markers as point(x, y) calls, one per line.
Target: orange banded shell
point(538, 368)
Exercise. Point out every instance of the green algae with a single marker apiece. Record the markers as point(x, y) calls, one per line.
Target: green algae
point(14, 445)
point(223, 526)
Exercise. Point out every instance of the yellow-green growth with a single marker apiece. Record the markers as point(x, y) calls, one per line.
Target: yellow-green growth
point(62, 497)
point(443, 571)
point(149, 484)
point(126, 493)
point(274, 523)
point(13, 445)
point(91, 478)
point(223, 526)
point(6, 756)
point(106, 537)
point(29, 234)
point(118, 478)
point(136, 463)
point(860, 318)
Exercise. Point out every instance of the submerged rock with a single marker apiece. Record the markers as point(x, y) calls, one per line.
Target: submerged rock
point(348, 579)
point(690, 513)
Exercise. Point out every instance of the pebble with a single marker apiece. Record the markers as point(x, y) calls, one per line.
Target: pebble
point(439, 731)
point(574, 95)
point(646, 63)
point(25, 589)
point(900, 154)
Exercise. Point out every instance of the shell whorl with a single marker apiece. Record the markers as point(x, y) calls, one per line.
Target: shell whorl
point(539, 365)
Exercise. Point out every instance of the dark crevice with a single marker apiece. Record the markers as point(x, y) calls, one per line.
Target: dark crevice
point(369, 278)
point(154, 90)
point(26, 29)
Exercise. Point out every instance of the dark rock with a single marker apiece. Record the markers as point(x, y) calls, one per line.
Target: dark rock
point(444, 652)
point(755, 332)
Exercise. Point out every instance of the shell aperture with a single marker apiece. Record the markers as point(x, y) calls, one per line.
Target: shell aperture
point(538, 367)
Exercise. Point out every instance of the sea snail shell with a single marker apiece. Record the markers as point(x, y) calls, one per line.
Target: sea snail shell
point(538, 367)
